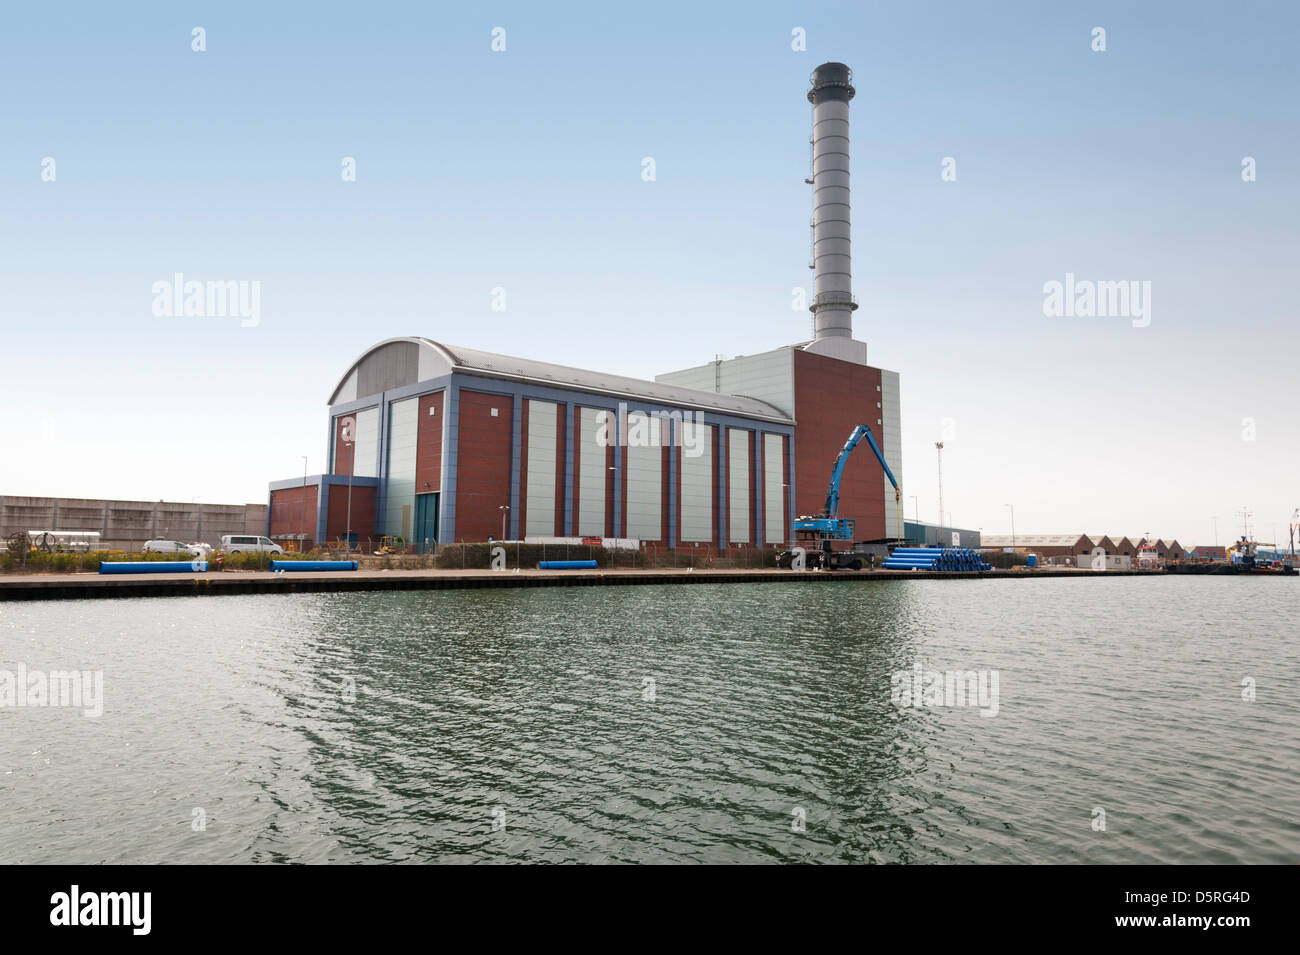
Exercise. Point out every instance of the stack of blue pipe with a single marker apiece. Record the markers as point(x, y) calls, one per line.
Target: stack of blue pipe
point(935, 558)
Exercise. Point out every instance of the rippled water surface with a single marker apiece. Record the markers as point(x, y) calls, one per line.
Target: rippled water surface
point(514, 725)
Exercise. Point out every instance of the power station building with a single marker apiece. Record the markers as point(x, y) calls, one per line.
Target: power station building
point(434, 443)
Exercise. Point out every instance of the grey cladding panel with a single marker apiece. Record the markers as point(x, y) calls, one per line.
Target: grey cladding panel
point(393, 365)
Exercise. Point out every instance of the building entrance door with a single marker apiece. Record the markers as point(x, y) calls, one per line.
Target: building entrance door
point(426, 522)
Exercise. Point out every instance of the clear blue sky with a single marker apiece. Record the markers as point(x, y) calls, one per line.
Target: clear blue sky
point(522, 170)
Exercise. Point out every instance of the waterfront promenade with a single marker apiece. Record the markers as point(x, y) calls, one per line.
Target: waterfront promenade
point(88, 585)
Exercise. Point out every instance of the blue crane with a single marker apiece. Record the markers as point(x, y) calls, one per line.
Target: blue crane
point(830, 526)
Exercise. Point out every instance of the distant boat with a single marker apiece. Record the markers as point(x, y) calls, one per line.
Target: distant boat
point(1243, 559)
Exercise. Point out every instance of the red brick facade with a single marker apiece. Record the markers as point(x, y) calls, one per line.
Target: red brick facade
point(363, 513)
point(483, 446)
point(833, 397)
point(293, 512)
point(428, 448)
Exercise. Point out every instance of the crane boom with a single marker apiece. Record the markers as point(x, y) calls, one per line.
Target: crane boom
point(860, 433)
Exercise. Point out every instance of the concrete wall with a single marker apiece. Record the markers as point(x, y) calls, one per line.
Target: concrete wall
point(128, 524)
point(891, 445)
point(542, 437)
point(592, 470)
point(696, 484)
point(644, 478)
point(775, 529)
point(768, 377)
point(399, 499)
point(927, 535)
point(740, 504)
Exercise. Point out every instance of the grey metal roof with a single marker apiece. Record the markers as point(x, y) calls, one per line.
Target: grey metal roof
point(1031, 540)
point(505, 366)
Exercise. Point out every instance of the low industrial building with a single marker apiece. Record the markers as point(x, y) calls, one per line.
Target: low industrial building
point(921, 534)
point(126, 525)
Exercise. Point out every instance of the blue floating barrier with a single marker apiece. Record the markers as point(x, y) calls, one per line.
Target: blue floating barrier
point(313, 565)
point(566, 565)
point(153, 566)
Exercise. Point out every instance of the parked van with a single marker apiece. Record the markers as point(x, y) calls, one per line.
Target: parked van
point(178, 547)
point(165, 547)
point(237, 544)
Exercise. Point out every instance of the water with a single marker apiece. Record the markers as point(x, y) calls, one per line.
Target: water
point(525, 709)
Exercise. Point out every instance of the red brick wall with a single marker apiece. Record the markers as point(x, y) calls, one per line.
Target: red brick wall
point(520, 520)
point(482, 464)
point(344, 454)
point(363, 513)
point(428, 447)
point(560, 419)
point(293, 511)
point(831, 398)
point(610, 530)
point(665, 476)
point(575, 494)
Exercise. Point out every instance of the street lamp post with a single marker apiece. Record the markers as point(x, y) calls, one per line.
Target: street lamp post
point(304, 500)
point(1013, 525)
point(613, 475)
point(938, 446)
point(347, 534)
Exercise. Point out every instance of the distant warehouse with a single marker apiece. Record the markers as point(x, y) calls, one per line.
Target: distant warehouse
point(1068, 548)
point(125, 525)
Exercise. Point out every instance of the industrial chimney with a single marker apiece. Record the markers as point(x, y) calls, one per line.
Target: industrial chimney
point(833, 304)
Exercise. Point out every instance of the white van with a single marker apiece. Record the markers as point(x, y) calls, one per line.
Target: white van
point(238, 544)
point(165, 547)
point(202, 551)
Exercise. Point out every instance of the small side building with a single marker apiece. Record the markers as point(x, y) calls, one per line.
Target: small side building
point(921, 534)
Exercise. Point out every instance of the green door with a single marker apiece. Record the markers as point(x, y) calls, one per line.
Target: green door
point(426, 522)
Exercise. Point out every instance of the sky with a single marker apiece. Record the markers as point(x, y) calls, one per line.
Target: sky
point(522, 170)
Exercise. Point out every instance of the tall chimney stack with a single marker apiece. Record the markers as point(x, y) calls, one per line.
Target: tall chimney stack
point(833, 303)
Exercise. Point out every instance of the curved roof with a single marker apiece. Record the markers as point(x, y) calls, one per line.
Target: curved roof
point(394, 362)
